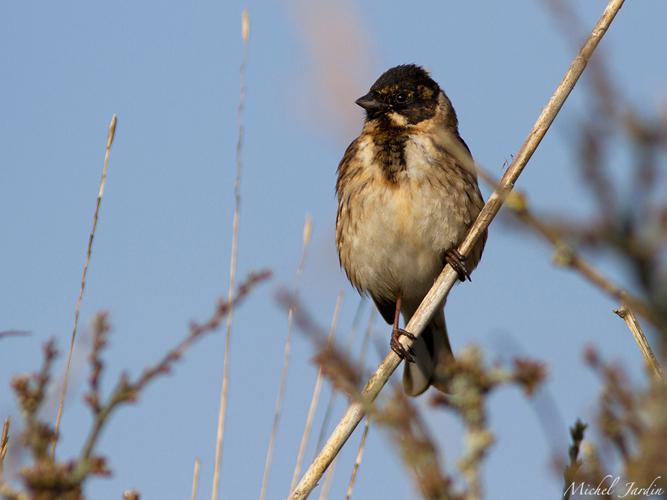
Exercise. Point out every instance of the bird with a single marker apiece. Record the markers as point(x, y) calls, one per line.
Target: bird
point(404, 205)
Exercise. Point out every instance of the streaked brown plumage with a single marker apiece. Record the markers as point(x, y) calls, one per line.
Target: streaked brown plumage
point(404, 205)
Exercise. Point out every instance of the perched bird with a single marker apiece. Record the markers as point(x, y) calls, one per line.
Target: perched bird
point(404, 206)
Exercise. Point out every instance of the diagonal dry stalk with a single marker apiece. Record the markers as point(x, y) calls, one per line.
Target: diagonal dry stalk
point(310, 417)
point(63, 394)
point(224, 388)
point(448, 277)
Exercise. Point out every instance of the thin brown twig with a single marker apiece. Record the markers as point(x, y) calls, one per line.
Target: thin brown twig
point(224, 387)
point(565, 254)
point(13, 333)
point(77, 309)
point(46, 478)
point(310, 417)
point(635, 328)
point(568, 257)
point(448, 277)
point(128, 391)
point(195, 480)
point(282, 383)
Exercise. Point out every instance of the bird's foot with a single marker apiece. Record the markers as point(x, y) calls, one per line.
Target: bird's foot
point(396, 346)
point(454, 258)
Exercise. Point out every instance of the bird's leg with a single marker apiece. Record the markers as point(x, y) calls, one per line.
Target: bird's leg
point(396, 346)
point(454, 258)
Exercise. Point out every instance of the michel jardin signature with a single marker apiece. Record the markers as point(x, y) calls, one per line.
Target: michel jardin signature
point(611, 485)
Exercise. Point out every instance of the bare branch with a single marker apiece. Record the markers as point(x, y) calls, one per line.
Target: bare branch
point(638, 334)
point(448, 277)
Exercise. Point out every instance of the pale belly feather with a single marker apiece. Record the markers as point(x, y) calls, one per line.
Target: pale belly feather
point(403, 230)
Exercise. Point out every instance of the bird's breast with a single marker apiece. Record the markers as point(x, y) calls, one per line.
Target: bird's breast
point(392, 233)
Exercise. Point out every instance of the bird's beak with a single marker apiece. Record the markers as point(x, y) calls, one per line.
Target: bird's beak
point(369, 102)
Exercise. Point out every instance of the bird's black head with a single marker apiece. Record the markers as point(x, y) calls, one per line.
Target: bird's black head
point(405, 94)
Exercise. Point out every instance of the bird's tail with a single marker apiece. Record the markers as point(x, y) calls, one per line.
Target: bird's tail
point(431, 347)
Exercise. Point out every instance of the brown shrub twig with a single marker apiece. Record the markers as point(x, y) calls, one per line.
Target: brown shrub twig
point(224, 386)
point(77, 309)
point(631, 420)
point(448, 277)
point(127, 390)
point(13, 333)
point(471, 381)
point(46, 478)
point(567, 256)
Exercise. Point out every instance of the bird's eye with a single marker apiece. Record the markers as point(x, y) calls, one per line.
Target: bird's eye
point(401, 98)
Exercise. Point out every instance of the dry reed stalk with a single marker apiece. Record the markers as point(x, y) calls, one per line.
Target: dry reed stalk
point(4, 441)
point(328, 481)
point(357, 461)
point(332, 395)
point(77, 309)
point(635, 328)
point(195, 480)
point(310, 417)
point(448, 277)
point(307, 233)
point(364, 435)
point(224, 388)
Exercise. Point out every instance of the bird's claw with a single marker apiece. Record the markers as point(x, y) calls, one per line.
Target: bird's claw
point(454, 258)
point(407, 354)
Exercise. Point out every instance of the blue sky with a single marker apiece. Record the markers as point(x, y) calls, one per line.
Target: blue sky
point(169, 70)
